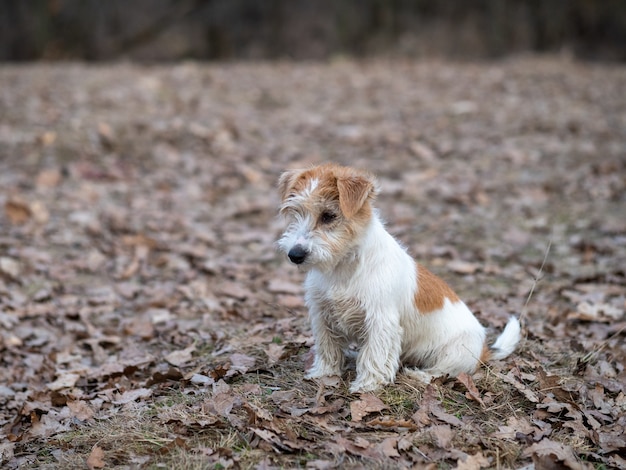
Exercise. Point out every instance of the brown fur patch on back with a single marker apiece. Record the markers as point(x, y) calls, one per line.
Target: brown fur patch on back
point(431, 291)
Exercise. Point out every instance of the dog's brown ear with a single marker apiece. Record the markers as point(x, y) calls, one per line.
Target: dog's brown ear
point(286, 183)
point(354, 191)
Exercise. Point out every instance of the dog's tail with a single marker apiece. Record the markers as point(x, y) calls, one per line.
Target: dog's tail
point(507, 342)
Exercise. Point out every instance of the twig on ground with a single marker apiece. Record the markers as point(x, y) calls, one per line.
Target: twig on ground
point(535, 282)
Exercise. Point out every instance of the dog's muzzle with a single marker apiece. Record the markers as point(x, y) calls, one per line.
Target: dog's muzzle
point(298, 254)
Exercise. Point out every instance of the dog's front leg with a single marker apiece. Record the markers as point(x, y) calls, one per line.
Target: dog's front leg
point(329, 355)
point(379, 356)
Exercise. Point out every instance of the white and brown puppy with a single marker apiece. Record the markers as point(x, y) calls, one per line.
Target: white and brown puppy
point(362, 287)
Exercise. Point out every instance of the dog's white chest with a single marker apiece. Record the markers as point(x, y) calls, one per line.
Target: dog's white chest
point(341, 310)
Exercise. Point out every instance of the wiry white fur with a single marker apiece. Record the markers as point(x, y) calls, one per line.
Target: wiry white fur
point(301, 232)
point(508, 340)
point(362, 300)
point(448, 341)
point(365, 294)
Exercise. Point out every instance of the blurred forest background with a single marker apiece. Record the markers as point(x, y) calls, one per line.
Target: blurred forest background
point(158, 30)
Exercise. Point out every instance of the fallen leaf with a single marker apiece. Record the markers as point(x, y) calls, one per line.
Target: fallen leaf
point(360, 447)
point(131, 395)
point(283, 396)
point(463, 267)
point(513, 426)
point(176, 443)
point(49, 178)
point(47, 138)
point(80, 409)
point(601, 312)
point(106, 135)
point(64, 380)
point(17, 211)
point(548, 454)
point(278, 444)
point(430, 406)
point(7, 451)
point(473, 462)
point(438, 412)
point(274, 352)
point(39, 212)
point(234, 290)
point(142, 327)
point(442, 434)
point(472, 391)
point(182, 356)
point(423, 151)
point(332, 381)
point(240, 363)
point(389, 447)
point(10, 267)
point(259, 413)
point(219, 371)
point(53, 422)
point(388, 422)
point(367, 404)
point(332, 407)
point(199, 379)
point(523, 389)
point(96, 458)
point(317, 464)
point(223, 403)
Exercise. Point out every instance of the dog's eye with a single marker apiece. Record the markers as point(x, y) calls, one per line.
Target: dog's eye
point(327, 217)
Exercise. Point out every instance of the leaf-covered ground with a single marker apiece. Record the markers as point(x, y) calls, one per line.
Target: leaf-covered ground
point(146, 320)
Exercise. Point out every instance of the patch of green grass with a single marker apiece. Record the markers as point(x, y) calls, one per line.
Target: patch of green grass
point(401, 401)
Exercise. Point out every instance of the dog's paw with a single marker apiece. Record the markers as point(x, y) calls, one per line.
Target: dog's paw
point(420, 375)
point(319, 370)
point(365, 384)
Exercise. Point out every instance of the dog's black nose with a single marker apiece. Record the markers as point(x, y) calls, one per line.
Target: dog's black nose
point(297, 254)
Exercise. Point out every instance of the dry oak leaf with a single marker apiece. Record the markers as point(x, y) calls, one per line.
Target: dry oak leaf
point(6, 451)
point(600, 312)
point(223, 403)
point(131, 395)
point(178, 358)
point(10, 267)
point(473, 462)
point(548, 454)
point(80, 410)
point(49, 178)
point(333, 407)
point(389, 447)
point(96, 458)
point(240, 363)
point(17, 211)
point(388, 422)
point(51, 423)
point(368, 403)
point(275, 441)
point(360, 447)
point(513, 427)
point(65, 380)
point(472, 391)
point(274, 352)
point(523, 389)
point(431, 406)
point(463, 267)
point(443, 435)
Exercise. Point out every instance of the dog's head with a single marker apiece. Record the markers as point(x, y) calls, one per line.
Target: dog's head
point(328, 208)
